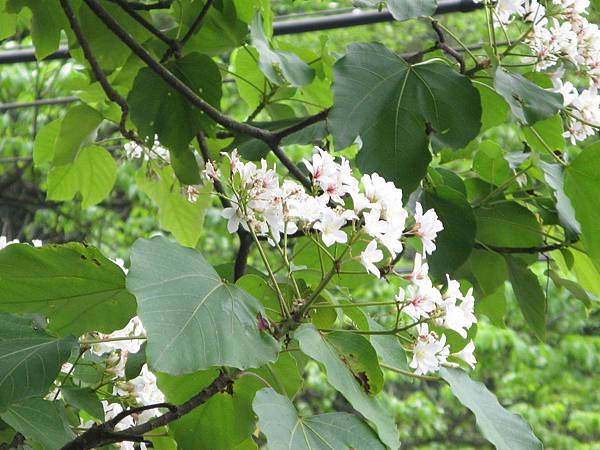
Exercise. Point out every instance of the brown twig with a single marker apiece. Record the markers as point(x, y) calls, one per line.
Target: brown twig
point(441, 44)
point(174, 46)
point(104, 434)
point(163, 4)
point(110, 92)
point(174, 82)
point(524, 250)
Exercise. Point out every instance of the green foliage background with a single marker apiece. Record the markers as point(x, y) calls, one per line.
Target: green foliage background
point(554, 385)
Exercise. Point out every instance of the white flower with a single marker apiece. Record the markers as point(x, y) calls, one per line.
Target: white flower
point(423, 299)
point(233, 215)
point(466, 354)
point(429, 352)
point(5, 242)
point(329, 224)
point(427, 226)
point(371, 255)
point(459, 317)
point(420, 271)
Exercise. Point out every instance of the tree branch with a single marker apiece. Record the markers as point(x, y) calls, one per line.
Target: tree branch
point(212, 112)
point(173, 44)
point(441, 44)
point(280, 135)
point(128, 412)
point(241, 258)
point(525, 250)
point(193, 29)
point(17, 442)
point(96, 70)
point(103, 434)
point(291, 167)
point(163, 4)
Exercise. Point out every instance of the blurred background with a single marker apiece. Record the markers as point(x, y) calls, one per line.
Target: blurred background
point(555, 386)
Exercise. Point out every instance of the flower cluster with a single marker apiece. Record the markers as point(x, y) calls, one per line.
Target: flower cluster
point(561, 36)
point(135, 151)
point(339, 208)
point(270, 208)
point(427, 305)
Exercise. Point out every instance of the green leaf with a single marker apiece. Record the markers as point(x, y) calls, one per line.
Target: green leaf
point(490, 165)
point(41, 421)
point(405, 9)
point(175, 213)
point(455, 242)
point(252, 86)
point(582, 186)
point(360, 357)
point(387, 346)
point(46, 24)
point(553, 174)
point(388, 103)
point(78, 127)
point(489, 270)
point(221, 423)
point(221, 29)
point(283, 375)
point(85, 399)
point(186, 167)
point(73, 285)
point(507, 431)
point(313, 344)
point(529, 294)
point(92, 174)
point(508, 225)
point(574, 288)
point(279, 66)
point(30, 359)
point(43, 146)
point(278, 420)
point(166, 113)
point(8, 22)
point(493, 107)
point(528, 102)
point(550, 130)
point(258, 287)
point(110, 51)
point(204, 323)
point(135, 362)
point(494, 306)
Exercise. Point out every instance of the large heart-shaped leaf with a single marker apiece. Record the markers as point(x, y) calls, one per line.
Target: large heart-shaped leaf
point(73, 285)
point(193, 319)
point(505, 430)
point(339, 375)
point(393, 106)
point(30, 359)
point(280, 423)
